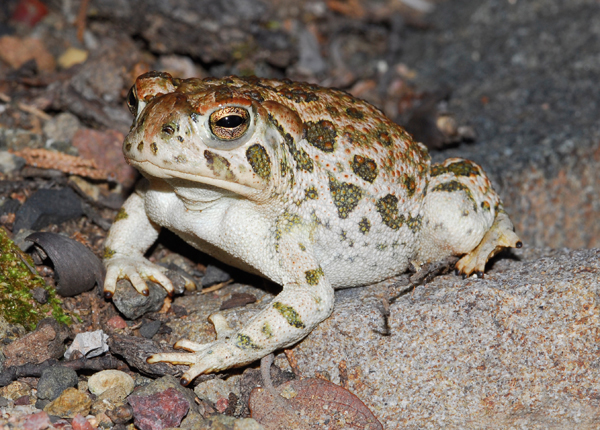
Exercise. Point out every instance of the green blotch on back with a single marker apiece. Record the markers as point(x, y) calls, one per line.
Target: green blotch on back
point(17, 305)
point(364, 167)
point(321, 135)
point(388, 209)
point(459, 168)
point(345, 196)
point(290, 314)
point(452, 186)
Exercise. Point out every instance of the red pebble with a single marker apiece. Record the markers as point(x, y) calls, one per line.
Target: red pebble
point(116, 322)
point(80, 423)
point(39, 421)
point(160, 410)
point(29, 12)
point(222, 404)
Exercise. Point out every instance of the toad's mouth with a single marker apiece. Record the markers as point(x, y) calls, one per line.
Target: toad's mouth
point(151, 170)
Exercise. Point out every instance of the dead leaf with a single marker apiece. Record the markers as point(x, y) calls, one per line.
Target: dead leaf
point(311, 404)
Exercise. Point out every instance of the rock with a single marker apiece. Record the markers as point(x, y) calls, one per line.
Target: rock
point(121, 414)
point(89, 344)
point(116, 322)
point(54, 381)
point(214, 275)
point(162, 384)
point(110, 400)
point(70, 403)
point(47, 341)
point(46, 207)
point(533, 105)
point(104, 147)
point(133, 304)
point(17, 51)
point(507, 351)
point(15, 389)
point(160, 410)
point(80, 423)
point(102, 381)
point(215, 389)
point(193, 421)
point(9, 162)
point(149, 329)
point(38, 421)
point(61, 128)
point(247, 424)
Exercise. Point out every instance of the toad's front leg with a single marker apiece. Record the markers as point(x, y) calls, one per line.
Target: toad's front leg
point(306, 300)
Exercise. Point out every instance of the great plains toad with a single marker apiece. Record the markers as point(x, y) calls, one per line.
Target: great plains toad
point(307, 186)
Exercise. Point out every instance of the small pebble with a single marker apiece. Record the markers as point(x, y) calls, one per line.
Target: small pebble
point(39, 421)
point(70, 403)
point(160, 410)
point(54, 381)
point(102, 381)
point(214, 275)
point(116, 322)
point(149, 329)
point(80, 423)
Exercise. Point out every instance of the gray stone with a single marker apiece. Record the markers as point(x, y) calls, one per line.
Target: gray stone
point(133, 304)
point(10, 162)
point(61, 128)
point(525, 75)
point(516, 349)
point(54, 381)
point(214, 275)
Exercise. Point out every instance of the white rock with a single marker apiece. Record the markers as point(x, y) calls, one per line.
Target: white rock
point(102, 381)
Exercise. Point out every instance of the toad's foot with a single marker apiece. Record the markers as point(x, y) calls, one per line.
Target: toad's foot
point(136, 269)
point(501, 235)
point(208, 357)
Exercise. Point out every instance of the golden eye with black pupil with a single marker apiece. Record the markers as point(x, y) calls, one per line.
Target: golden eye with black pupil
point(229, 123)
point(132, 101)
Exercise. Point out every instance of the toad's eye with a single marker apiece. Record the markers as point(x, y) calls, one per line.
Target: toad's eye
point(132, 101)
point(229, 123)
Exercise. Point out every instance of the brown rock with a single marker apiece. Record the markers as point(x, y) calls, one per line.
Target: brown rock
point(104, 147)
point(46, 342)
point(70, 403)
point(15, 52)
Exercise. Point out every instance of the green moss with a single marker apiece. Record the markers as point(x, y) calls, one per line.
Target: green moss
point(17, 305)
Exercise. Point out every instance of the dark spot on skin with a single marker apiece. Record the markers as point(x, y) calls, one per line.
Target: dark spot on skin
point(194, 116)
point(290, 314)
point(302, 159)
point(299, 93)
point(364, 167)
point(180, 138)
point(452, 186)
point(321, 135)
point(355, 113)
point(314, 276)
point(243, 341)
point(364, 225)
point(122, 214)
point(219, 165)
point(181, 159)
point(485, 206)
point(311, 193)
point(267, 330)
point(409, 183)
point(108, 253)
point(459, 168)
point(388, 209)
point(345, 196)
point(384, 138)
point(128, 146)
point(154, 148)
point(140, 146)
point(259, 160)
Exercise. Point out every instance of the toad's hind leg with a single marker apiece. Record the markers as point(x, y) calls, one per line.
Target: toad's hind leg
point(463, 215)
